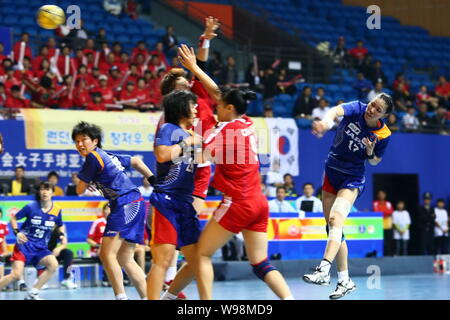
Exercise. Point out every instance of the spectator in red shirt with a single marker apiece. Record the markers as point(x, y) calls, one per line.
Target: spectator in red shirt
point(108, 64)
point(148, 77)
point(443, 92)
point(80, 58)
point(134, 73)
point(65, 67)
point(424, 97)
point(43, 93)
point(156, 65)
point(128, 96)
point(90, 47)
point(155, 87)
point(384, 206)
point(400, 78)
point(159, 51)
point(2, 95)
point(43, 54)
point(115, 77)
point(117, 50)
point(145, 99)
point(95, 78)
point(44, 67)
point(26, 72)
point(11, 80)
point(140, 63)
point(131, 9)
point(51, 44)
point(82, 97)
point(64, 96)
point(15, 100)
point(106, 91)
point(97, 104)
point(358, 53)
point(124, 63)
point(25, 37)
point(83, 73)
point(141, 48)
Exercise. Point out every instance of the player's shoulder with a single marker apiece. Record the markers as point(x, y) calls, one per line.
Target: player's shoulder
point(168, 127)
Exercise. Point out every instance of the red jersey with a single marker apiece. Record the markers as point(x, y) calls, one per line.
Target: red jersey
point(107, 94)
point(114, 82)
point(96, 106)
point(96, 232)
point(16, 50)
point(123, 67)
point(64, 101)
point(126, 95)
point(61, 65)
point(358, 53)
point(81, 98)
point(144, 96)
point(24, 74)
point(234, 148)
point(136, 51)
point(443, 90)
point(3, 233)
point(383, 206)
point(14, 103)
point(87, 51)
point(36, 64)
point(104, 67)
point(11, 82)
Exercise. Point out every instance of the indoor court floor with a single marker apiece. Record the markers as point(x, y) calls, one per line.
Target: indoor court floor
point(393, 287)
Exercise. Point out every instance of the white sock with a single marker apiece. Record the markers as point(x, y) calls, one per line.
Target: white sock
point(343, 276)
point(21, 281)
point(144, 298)
point(289, 298)
point(34, 291)
point(325, 265)
point(168, 296)
point(121, 296)
point(170, 274)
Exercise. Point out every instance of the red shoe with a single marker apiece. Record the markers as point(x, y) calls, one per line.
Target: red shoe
point(180, 296)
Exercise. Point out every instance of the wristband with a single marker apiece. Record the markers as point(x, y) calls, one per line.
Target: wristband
point(329, 122)
point(371, 156)
point(203, 43)
point(151, 180)
point(16, 231)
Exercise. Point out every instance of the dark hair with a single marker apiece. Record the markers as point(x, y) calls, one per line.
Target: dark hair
point(46, 82)
point(440, 200)
point(91, 130)
point(15, 88)
point(287, 174)
point(20, 167)
point(308, 184)
point(44, 185)
point(281, 187)
point(176, 105)
point(170, 79)
point(238, 98)
point(52, 173)
point(387, 99)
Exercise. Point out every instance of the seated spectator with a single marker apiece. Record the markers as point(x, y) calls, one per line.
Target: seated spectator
point(308, 202)
point(15, 100)
point(19, 185)
point(400, 79)
point(443, 92)
point(141, 48)
point(131, 10)
point(423, 97)
point(441, 121)
point(229, 74)
point(128, 96)
point(401, 221)
point(110, 62)
point(305, 104)
point(64, 95)
point(358, 53)
point(441, 227)
point(362, 87)
point(289, 185)
point(53, 178)
point(427, 124)
point(2, 95)
point(44, 93)
point(43, 54)
point(117, 50)
point(170, 42)
point(156, 65)
point(410, 121)
point(319, 112)
point(6, 64)
point(402, 98)
point(65, 65)
point(341, 56)
point(135, 73)
point(24, 37)
point(89, 47)
point(280, 204)
point(274, 178)
point(82, 97)
point(80, 58)
point(269, 81)
point(97, 103)
point(140, 63)
point(268, 113)
point(375, 91)
point(106, 92)
point(115, 78)
point(320, 94)
point(392, 122)
point(26, 71)
point(366, 67)
point(124, 64)
point(52, 46)
point(83, 73)
point(376, 74)
point(11, 80)
point(100, 39)
point(113, 7)
point(72, 186)
point(95, 238)
point(145, 100)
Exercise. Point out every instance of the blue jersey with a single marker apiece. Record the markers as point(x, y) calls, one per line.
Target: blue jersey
point(38, 225)
point(348, 152)
point(174, 177)
point(107, 172)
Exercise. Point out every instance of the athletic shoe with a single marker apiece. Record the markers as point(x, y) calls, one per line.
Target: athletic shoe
point(69, 284)
point(318, 277)
point(33, 296)
point(23, 286)
point(44, 287)
point(180, 296)
point(343, 289)
point(105, 283)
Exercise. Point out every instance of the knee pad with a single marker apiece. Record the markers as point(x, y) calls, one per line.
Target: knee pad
point(341, 206)
point(327, 228)
point(335, 234)
point(262, 268)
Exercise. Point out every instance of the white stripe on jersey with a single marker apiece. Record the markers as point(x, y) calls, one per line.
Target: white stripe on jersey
point(222, 210)
point(94, 226)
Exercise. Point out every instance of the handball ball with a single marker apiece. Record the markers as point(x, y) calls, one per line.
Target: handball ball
point(50, 17)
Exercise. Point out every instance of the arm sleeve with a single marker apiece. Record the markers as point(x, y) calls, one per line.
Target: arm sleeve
point(125, 160)
point(168, 136)
point(23, 213)
point(90, 168)
point(58, 220)
point(351, 108)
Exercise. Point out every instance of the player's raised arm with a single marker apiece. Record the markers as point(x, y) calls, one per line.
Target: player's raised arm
point(187, 58)
point(211, 25)
point(319, 128)
point(142, 168)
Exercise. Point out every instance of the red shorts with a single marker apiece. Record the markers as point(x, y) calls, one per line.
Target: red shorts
point(236, 215)
point(201, 181)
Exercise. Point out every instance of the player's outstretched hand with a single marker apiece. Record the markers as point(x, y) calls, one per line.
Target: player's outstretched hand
point(370, 145)
point(21, 238)
point(319, 128)
point(194, 140)
point(211, 25)
point(186, 56)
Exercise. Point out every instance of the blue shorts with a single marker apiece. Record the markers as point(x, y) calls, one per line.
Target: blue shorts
point(127, 218)
point(29, 253)
point(334, 180)
point(174, 221)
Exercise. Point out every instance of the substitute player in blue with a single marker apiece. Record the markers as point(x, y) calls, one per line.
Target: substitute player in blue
point(362, 135)
point(42, 216)
point(175, 224)
point(125, 225)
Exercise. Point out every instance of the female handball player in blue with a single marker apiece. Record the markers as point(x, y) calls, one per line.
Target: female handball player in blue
point(42, 216)
point(125, 225)
point(362, 135)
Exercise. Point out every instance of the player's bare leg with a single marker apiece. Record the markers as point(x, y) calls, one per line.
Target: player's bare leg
point(162, 255)
point(139, 254)
point(198, 204)
point(133, 270)
point(51, 265)
point(108, 256)
point(213, 237)
point(15, 274)
point(256, 245)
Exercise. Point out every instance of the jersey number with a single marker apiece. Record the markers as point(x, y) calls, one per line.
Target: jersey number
point(353, 146)
point(39, 233)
